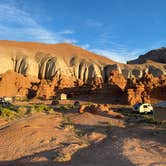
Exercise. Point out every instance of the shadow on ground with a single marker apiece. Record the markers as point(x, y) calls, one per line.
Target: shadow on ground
point(105, 153)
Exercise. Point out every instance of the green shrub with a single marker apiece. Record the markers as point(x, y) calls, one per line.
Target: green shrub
point(66, 107)
point(22, 110)
point(40, 108)
point(8, 113)
point(14, 112)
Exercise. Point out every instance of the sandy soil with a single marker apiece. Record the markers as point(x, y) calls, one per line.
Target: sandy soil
point(69, 139)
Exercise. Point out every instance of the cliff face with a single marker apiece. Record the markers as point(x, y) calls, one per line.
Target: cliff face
point(158, 55)
point(42, 70)
point(46, 61)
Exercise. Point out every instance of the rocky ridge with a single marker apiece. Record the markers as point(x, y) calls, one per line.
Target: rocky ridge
point(157, 55)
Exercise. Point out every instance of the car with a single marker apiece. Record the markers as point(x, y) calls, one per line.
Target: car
point(4, 102)
point(143, 108)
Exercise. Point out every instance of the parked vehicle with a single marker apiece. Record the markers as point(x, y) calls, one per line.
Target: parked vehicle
point(5, 102)
point(143, 108)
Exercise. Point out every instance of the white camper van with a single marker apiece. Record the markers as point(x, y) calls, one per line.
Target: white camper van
point(143, 108)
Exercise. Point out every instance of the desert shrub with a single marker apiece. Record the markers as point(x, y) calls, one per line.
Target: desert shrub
point(13, 112)
point(8, 113)
point(62, 157)
point(65, 107)
point(22, 110)
point(40, 108)
point(12, 108)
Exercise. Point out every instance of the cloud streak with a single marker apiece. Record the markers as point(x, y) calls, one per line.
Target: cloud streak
point(16, 24)
point(107, 45)
point(119, 55)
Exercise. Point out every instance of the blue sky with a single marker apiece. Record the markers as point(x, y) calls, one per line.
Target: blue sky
point(118, 29)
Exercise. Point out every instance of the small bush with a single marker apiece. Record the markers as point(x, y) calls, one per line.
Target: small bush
point(65, 107)
point(22, 111)
point(13, 112)
point(62, 157)
point(8, 113)
point(40, 108)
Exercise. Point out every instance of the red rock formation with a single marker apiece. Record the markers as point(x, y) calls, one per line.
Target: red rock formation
point(45, 90)
point(12, 83)
point(117, 79)
point(136, 89)
point(140, 90)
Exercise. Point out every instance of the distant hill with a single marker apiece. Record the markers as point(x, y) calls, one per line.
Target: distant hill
point(157, 55)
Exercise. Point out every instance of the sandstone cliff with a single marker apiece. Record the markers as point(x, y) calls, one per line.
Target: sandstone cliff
point(44, 61)
point(43, 70)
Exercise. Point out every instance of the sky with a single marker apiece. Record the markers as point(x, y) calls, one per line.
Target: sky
point(118, 29)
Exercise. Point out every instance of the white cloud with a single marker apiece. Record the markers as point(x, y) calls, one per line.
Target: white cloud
point(16, 24)
point(70, 41)
point(106, 45)
point(118, 55)
point(85, 46)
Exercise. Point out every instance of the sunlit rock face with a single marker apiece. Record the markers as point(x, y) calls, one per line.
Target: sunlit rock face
point(12, 83)
point(44, 61)
point(41, 70)
point(5, 64)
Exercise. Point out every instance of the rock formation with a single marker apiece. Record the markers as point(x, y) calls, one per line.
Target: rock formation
point(141, 89)
point(44, 61)
point(12, 83)
point(43, 70)
point(117, 79)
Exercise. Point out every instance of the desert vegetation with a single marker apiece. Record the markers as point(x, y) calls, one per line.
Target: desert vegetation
point(15, 112)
